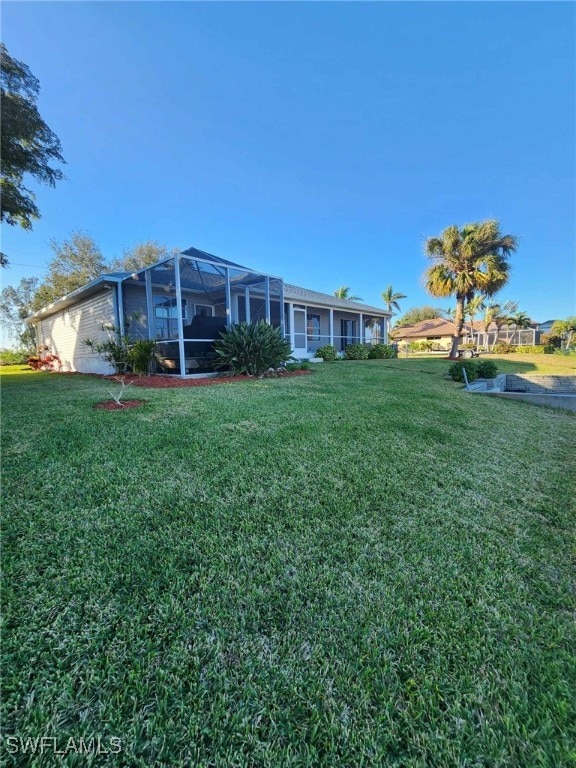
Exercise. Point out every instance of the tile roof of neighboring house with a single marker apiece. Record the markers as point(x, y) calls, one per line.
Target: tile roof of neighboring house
point(439, 326)
point(304, 296)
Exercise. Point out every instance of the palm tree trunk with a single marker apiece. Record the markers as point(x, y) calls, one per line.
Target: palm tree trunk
point(459, 323)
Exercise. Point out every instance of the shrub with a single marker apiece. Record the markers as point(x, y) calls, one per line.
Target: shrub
point(486, 369)
point(122, 351)
point(382, 351)
point(302, 366)
point(533, 349)
point(44, 361)
point(356, 352)
point(13, 357)
point(455, 370)
point(503, 348)
point(328, 353)
point(468, 345)
point(251, 348)
point(114, 349)
point(140, 356)
point(551, 340)
point(421, 346)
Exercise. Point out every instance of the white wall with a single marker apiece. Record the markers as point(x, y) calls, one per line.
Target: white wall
point(65, 331)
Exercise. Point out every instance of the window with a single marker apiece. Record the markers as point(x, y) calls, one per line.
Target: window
point(313, 329)
point(166, 316)
point(205, 310)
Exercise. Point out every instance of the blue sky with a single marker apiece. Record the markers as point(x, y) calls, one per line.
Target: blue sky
point(322, 142)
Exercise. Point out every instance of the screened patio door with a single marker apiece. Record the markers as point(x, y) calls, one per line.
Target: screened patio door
point(300, 345)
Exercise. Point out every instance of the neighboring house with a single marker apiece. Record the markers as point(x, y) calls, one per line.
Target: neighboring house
point(440, 332)
point(546, 327)
point(183, 303)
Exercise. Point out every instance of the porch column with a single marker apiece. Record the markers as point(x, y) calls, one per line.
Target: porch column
point(282, 310)
point(180, 323)
point(362, 334)
point(150, 305)
point(247, 302)
point(291, 320)
point(331, 327)
point(267, 297)
point(228, 298)
point(120, 307)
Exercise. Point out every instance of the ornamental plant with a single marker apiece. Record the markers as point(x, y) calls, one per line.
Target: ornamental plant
point(486, 369)
point(140, 356)
point(382, 352)
point(251, 348)
point(114, 349)
point(123, 352)
point(455, 370)
point(356, 352)
point(44, 361)
point(475, 369)
point(328, 353)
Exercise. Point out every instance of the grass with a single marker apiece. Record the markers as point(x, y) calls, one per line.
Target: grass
point(363, 567)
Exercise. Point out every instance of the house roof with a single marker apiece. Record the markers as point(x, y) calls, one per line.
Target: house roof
point(291, 292)
point(94, 286)
point(438, 326)
point(305, 296)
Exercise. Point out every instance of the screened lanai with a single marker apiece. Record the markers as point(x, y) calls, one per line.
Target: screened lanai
point(184, 302)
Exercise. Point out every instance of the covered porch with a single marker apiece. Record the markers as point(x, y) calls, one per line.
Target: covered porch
point(309, 327)
point(184, 302)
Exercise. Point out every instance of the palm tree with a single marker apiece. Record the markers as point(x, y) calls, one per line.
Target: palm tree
point(519, 320)
point(472, 308)
point(391, 299)
point(497, 314)
point(470, 260)
point(343, 293)
point(565, 329)
point(491, 314)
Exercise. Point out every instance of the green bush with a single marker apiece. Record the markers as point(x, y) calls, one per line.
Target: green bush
point(251, 348)
point(304, 365)
point(551, 340)
point(503, 348)
point(533, 349)
point(356, 352)
point(114, 349)
point(455, 370)
point(140, 356)
point(468, 345)
point(328, 353)
point(421, 346)
point(382, 352)
point(13, 357)
point(486, 369)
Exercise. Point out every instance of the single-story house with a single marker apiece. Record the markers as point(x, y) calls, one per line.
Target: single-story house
point(440, 332)
point(184, 302)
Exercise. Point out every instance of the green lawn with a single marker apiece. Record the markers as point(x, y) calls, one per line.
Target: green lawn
point(363, 567)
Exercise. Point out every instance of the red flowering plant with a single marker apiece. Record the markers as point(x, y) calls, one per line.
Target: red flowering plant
point(44, 360)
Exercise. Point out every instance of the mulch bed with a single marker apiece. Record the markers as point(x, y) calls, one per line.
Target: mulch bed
point(111, 405)
point(173, 382)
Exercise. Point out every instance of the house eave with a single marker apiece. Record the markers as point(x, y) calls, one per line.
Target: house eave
point(104, 283)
